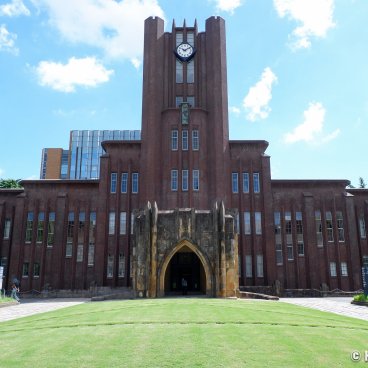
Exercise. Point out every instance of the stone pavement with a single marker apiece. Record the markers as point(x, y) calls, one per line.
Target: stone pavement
point(28, 307)
point(338, 305)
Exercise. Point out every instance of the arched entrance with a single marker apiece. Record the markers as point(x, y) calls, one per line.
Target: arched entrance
point(185, 261)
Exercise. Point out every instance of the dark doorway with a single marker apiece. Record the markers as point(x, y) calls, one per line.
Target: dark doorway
point(185, 265)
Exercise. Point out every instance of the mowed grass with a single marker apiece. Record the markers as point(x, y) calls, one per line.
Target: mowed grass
point(182, 333)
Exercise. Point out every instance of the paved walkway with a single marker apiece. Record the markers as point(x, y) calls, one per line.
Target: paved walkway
point(338, 305)
point(28, 307)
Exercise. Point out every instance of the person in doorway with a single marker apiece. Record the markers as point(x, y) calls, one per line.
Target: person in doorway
point(14, 292)
point(184, 285)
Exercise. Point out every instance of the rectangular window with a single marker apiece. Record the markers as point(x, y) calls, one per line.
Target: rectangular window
point(80, 253)
point(121, 271)
point(340, 226)
point(174, 180)
point(256, 183)
point(279, 258)
point(135, 177)
point(179, 38)
point(7, 227)
point(124, 182)
point(69, 250)
point(114, 179)
point(245, 182)
point(330, 237)
point(40, 226)
point(25, 269)
point(184, 141)
point(195, 140)
point(36, 269)
point(178, 101)
point(318, 219)
point(190, 38)
point(299, 233)
point(333, 269)
point(247, 225)
point(234, 182)
point(92, 227)
point(174, 140)
point(29, 227)
point(110, 266)
point(69, 235)
point(362, 230)
point(344, 269)
point(259, 265)
point(81, 226)
point(248, 266)
point(290, 252)
point(111, 223)
point(132, 223)
point(237, 230)
point(184, 180)
point(91, 254)
point(258, 222)
point(179, 71)
point(195, 180)
point(190, 72)
point(51, 230)
point(191, 101)
point(289, 236)
point(123, 223)
point(278, 240)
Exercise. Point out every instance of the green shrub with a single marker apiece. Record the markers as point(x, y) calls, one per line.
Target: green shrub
point(361, 298)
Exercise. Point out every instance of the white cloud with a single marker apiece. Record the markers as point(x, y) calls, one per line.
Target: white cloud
point(315, 16)
point(13, 9)
point(136, 62)
point(1, 172)
point(7, 41)
point(311, 129)
point(235, 110)
point(227, 5)
point(116, 27)
point(257, 100)
point(87, 72)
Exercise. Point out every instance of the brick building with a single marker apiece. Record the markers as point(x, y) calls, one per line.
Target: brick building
point(184, 202)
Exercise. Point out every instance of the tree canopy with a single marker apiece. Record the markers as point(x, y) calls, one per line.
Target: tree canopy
point(10, 183)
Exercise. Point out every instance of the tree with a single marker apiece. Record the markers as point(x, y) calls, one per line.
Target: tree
point(362, 183)
point(10, 183)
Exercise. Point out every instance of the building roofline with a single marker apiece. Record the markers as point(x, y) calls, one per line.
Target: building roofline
point(120, 142)
point(60, 181)
point(344, 182)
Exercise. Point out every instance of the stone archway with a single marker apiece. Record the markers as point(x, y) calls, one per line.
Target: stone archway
point(185, 244)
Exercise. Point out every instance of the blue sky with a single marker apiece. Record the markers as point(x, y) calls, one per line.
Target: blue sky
point(297, 77)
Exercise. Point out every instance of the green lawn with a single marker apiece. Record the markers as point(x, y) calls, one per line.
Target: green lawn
point(182, 333)
point(6, 300)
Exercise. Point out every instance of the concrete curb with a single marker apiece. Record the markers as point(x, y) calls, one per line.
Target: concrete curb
point(8, 304)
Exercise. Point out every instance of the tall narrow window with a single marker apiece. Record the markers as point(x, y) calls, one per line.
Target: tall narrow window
point(178, 38)
point(277, 220)
point(195, 140)
point(190, 38)
point(178, 101)
point(121, 271)
point(123, 223)
point(114, 178)
point(132, 223)
point(191, 101)
point(245, 182)
point(259, 265)
point(247, 225)
point(329, 227)
point(174, 180)
point(91, 239)
point(190, 72)
point(318, 219)
point(174, 140)
point(362, 230)
point(111, 223)
point(81, 226)
point(258, 222)
point(36, 269)
point(184, 180)
point(80, 253)
point(70, 234)
point(333, 269)
point(25, 269)
point(179, 71)
point(40, 226)
point(237, 224)
point(29, 227)
point(135, 178)
point(340, 226)
point(195, 180)
point(235, 182)
point(184, 142)
point(299, 233)
point(110, 266)
point(124, 182)
point(256, 183)
point(7, 227)
point(91, 254)
point(289, 236)
point(344, 269)
point(51, 230)
point(248, 266)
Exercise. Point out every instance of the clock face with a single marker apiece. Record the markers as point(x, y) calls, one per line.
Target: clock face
point(185, 51)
